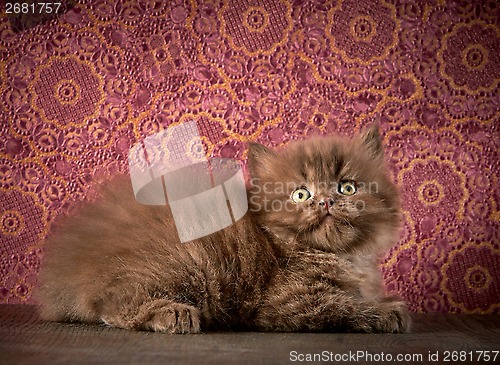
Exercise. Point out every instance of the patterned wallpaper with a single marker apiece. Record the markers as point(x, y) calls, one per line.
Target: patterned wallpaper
point(79, 88)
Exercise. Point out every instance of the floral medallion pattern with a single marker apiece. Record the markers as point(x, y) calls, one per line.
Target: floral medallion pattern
point(66, 91)
point(470, 57)
point(256, 26)
point(79, 89)
point(363, 31)
point(466, 279)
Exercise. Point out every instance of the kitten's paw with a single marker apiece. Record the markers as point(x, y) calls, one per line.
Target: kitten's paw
point(389, 316)
point(394, 318)
point(174, 318)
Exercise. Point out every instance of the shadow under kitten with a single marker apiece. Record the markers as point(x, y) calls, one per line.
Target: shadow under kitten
point(303, 258)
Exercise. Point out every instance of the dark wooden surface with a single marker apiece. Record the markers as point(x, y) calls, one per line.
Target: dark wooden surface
point(25, 339)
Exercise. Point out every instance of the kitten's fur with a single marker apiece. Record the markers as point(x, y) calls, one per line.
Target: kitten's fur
point(121, 263)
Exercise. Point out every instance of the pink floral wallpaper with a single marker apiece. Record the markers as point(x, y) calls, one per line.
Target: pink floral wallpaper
point(80, 87)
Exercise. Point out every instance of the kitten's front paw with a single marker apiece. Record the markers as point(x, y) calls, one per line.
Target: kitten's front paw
point(389, 316)
point(174, 318)
point(394, 318)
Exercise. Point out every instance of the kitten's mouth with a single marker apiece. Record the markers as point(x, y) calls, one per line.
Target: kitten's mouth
point(327, 219)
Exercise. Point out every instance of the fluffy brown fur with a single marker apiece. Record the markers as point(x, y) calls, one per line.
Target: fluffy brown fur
point(285, 266)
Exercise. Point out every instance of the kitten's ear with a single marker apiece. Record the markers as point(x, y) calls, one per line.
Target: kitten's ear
point(372, 140)
point(258, 157)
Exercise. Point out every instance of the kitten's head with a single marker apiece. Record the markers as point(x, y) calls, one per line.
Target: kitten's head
point(328, 193)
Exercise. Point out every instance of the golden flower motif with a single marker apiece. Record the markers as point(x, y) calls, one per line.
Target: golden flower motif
point(11, 222)
point(430, 192)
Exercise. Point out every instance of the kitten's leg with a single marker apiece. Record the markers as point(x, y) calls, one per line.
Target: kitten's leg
point(159, 315)
point(293, 305)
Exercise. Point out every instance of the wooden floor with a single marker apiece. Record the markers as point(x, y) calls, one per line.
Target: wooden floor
point(25, 339)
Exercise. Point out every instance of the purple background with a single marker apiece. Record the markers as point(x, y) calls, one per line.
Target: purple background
point(78, 90)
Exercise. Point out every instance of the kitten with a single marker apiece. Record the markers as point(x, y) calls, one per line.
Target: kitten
point(303, 258)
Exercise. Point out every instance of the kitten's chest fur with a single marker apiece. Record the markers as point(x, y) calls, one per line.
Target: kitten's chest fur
point(364, 272)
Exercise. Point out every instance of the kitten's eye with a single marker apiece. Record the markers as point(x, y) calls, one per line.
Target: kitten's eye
point(347, 188)
point(300, 195)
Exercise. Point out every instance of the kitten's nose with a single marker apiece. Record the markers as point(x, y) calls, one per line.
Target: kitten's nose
point(326, 203)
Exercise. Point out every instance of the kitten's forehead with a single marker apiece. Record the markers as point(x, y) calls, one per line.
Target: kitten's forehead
point(319, 160)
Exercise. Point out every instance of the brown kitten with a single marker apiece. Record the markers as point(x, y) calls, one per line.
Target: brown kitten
point(303, 258)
